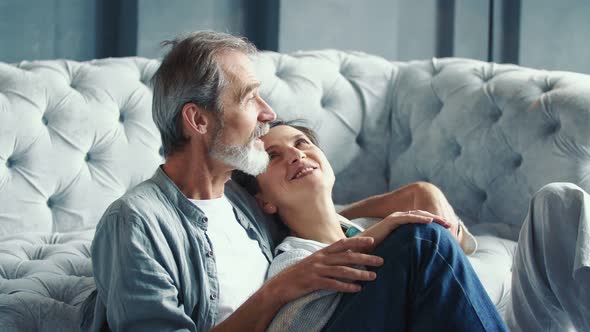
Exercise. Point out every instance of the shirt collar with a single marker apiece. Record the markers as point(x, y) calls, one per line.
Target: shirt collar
point(177, 198)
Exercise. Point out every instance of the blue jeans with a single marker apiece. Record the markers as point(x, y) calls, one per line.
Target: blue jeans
point(425, 284)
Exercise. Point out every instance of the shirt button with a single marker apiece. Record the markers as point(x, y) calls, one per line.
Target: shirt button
point(209, 253)
point(213, 296)
point(205, 219)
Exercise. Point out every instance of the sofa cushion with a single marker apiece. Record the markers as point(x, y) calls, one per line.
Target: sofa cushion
point(74, 137)
point(489, 135)
point(44, 278)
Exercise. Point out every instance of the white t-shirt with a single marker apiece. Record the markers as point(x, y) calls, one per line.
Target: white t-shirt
point(241, 265)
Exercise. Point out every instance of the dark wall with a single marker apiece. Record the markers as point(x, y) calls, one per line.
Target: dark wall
point(555, 34)
point(47, 29)
point(537, 33)
point(370, 26)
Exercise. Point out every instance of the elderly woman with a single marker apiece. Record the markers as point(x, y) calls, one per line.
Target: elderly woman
point(410, 292)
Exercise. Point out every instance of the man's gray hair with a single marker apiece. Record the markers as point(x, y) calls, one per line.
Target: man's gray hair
point(191, 73)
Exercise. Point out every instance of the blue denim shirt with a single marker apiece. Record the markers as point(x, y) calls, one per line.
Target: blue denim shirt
point(153, 263)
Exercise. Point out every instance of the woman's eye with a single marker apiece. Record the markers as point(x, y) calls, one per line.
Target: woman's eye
point(301, 141)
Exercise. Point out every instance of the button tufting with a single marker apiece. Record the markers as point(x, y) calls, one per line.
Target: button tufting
point(161, 151)
point(554, 128)
point(408, 141)
point(517, 161)
point(10, 162)
point(496, 116)
point(343, 70)
point(50, 202)
point(44, 120)
point(121, 117)
point(483, 196)
point(87, 157)
point(457, 150)
point(547, 87)
point(324, 101)
point(359, 140)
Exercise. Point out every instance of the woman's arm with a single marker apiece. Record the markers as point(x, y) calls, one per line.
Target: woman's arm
point(380, 206)
point(415, 196)
point(382, 229)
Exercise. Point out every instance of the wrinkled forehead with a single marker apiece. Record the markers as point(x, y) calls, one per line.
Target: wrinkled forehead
point(237, 66)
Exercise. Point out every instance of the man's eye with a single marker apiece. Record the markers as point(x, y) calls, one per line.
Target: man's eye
point(271, 155)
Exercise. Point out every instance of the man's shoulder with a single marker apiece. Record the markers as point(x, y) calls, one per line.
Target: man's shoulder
point(247, 203)
point(143, 202)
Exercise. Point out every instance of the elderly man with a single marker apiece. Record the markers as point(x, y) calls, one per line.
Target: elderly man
point(188, 250)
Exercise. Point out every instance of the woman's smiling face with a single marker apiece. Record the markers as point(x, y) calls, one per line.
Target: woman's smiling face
point(297, 169)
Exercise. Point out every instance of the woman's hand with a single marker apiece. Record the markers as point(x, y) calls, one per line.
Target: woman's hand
point(382, 229)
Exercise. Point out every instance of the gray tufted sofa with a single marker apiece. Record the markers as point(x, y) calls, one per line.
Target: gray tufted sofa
point(74, 136)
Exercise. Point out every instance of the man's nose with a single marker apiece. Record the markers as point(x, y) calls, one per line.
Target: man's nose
point(265, 113)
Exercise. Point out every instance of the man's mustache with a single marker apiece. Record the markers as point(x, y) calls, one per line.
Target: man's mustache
point(261, 130)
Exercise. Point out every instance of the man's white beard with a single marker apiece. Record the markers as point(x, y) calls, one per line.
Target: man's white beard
point(246, 158)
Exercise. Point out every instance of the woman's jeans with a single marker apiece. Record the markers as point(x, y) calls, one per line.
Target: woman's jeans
point(425, 284)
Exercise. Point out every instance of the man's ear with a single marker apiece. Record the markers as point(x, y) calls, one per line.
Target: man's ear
point(267, 207)
point(194, 118)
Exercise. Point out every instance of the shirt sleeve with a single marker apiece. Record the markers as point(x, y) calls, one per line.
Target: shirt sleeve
point(137, 291)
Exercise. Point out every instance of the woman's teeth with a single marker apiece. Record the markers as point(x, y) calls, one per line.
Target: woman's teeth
point(303, 172)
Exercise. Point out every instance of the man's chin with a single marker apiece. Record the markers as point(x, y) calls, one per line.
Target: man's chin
point(254, 169)
point(250, 159)
point(255, 164)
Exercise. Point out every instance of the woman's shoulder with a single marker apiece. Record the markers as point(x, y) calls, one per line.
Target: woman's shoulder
point(290, 251)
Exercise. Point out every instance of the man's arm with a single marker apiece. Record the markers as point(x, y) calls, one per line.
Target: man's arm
point(138, 293)
point(323, 269)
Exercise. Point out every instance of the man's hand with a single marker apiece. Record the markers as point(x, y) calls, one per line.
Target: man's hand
point(328, 269)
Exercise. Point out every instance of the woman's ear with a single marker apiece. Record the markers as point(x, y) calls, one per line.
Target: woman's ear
point(267, 207)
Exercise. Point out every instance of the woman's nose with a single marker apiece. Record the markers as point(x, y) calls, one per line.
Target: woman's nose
point(295, 155)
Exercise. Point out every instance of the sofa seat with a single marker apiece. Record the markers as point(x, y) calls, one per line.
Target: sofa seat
point(492, 261)
point(44, 278)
